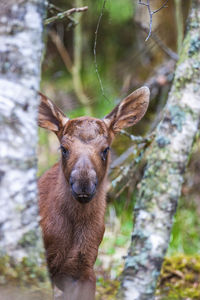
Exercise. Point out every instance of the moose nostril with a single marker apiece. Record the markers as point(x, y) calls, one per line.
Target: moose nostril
point(75, 188)
point(93, 188)
point(96, 182)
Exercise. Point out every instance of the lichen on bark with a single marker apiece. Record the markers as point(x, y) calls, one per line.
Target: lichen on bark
point(21, 47)
point(163, 177)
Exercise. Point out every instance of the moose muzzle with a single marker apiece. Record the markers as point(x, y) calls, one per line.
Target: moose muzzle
point(83, 181)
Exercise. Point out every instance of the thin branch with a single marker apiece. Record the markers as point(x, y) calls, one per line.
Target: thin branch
point(94, 50)
point(62, 50)
point(142, 3)
point(51, 6)
point(151, 13)
point(138, 139)
point(65, 14)
point(159, 42)
point(150, 20)
point(163, 6)
point(123, 189)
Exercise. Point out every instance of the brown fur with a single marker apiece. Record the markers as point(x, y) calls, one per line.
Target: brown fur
point(72, 231)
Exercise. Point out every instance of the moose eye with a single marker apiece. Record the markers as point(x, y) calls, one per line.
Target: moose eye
point(64, 151)
point(104, 153)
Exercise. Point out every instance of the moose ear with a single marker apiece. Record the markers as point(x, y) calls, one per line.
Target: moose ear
point(129, 111)
point(50, 116)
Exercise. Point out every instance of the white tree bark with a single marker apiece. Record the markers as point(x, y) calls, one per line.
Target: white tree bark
point(21, 46)
point(163, 176)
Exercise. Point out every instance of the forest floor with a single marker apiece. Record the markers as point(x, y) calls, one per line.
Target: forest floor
point(180, 280)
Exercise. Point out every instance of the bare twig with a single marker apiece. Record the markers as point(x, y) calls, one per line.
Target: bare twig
point(122, 189)
point(94, 50)
point(151, 13)
point(163, 6)
point(159, 42)
point(65, 14)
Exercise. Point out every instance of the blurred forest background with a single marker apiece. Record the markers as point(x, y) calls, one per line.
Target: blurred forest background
point(125, 62)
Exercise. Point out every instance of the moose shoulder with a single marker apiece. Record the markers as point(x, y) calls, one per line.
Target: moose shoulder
point(72, 194)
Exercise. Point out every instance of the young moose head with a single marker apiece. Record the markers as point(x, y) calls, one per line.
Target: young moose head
point(85, 141)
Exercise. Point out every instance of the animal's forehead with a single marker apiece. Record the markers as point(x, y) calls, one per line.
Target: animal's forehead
point(86, 129)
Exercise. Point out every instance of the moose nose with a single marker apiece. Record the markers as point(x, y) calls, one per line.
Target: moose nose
point(83, 191)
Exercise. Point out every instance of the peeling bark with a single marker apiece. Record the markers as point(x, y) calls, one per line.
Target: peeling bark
point(163, 177)
point(21, 47)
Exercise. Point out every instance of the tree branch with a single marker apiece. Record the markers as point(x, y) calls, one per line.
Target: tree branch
point(95, 52)
point(65, 14)
point(138, 139)
point(151, 13)
point(163, 6)
point(159, 42)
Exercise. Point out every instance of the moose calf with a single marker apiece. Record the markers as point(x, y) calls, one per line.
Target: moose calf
point(72, 194)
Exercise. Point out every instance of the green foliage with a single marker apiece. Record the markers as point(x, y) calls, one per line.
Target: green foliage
point(101, 105)
point(26, 273)
point(118, 230)
point(186, 229)
point(120, 10)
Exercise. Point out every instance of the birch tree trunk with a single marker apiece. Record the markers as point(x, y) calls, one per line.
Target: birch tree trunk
point(21, 46)
point(166, 161)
